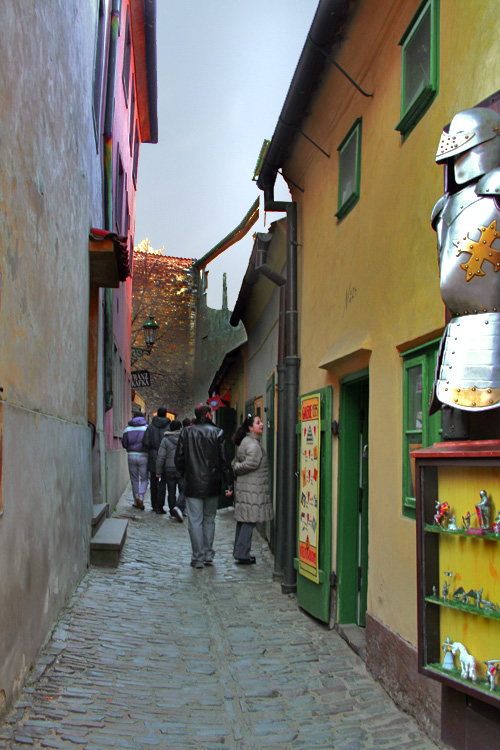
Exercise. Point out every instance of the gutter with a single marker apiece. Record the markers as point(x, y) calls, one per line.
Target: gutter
point(151, 67)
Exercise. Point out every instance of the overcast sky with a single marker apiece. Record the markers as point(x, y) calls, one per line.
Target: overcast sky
point(224, 69)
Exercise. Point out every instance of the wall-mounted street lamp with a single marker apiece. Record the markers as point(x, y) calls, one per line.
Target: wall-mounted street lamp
point(150, 333)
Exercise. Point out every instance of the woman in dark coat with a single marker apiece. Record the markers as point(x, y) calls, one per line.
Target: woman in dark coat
point(252, 503)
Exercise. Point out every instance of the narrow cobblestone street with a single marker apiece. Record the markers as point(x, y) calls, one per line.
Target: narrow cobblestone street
point(158, 654)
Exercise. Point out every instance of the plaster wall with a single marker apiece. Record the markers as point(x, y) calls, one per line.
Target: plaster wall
point(368, 286)
point(44, 533)
point(50, 195)
point(263, 349)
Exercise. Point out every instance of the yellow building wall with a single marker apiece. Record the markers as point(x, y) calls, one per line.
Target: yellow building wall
point(370, 282)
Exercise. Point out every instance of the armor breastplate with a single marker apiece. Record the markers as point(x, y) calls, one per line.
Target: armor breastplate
point(468, 369)
point(468, 374)
point(469, 253)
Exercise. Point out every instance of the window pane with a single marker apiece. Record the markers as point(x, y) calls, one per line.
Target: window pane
point(414, 398)
point(418, 61)
point(348, 169)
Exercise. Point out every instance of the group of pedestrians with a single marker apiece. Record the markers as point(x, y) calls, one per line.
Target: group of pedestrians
point(151, 450)
point(194, 459)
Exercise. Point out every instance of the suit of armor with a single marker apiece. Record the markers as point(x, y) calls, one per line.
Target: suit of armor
point(467, 223)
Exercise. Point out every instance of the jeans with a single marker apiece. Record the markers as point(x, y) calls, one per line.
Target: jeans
point(243, 540)
point(201, 518)
point(138, 470)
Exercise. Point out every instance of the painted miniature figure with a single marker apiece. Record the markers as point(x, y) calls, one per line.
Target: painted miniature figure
point(492, 667)
point(466, 521)
point(465, 220)
point(448, 662)
point(483, 510)
point(446, 584)
point(467, 661)
point(442, 513)
point(496, 525)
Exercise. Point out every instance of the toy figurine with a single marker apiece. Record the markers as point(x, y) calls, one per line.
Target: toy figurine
point(442, 513)
point(465, 220)
point(466, 521)
point(483, 509)
point(452, 524)
point(491, 671)
point(434, 591)
point(467, 661)
point(448, 662)
point(496, 525)
point(446, 584)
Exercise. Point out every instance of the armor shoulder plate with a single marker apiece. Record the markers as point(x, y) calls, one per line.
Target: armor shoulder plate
point(489, 184)
point(436, 211)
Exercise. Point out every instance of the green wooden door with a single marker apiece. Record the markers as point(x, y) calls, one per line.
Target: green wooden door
point(226, 420)
point(313, 589)
point(352, 538)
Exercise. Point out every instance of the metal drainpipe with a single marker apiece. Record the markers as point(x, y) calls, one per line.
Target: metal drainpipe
point(279, 530)
point(108, 115)
point(291, 394)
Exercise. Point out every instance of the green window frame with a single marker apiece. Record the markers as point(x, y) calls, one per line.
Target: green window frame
point(419, 430)
point(419, 65)
point(349, 170)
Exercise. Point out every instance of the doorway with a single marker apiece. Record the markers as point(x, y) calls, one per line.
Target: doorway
point(352, 541)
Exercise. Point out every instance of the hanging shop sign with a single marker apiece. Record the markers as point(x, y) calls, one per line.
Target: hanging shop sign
point(140, 379)
point(309, 486)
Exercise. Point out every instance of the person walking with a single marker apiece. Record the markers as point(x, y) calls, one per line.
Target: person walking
point(165, 469)
point(132, 441)
point(201, 458)
point(252, 502)
point(152, 439)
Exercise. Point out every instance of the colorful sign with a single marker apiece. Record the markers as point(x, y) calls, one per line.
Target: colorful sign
point(310, 426)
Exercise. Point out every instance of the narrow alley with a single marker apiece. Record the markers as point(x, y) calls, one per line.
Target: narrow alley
point(157, 654)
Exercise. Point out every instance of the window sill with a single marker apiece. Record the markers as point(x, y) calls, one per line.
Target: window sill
point(347, 206)
point(417, 110)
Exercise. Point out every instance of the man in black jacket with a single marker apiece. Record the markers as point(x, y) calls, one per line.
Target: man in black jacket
point(151, 442)
point(202, 459)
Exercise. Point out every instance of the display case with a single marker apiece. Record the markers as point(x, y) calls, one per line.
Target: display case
point(458, 565)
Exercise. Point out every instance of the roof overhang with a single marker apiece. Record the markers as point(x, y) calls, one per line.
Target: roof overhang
point(108, 258)
point(325, 29)
point(232, 238)
point(226, 365)
point(143, 22)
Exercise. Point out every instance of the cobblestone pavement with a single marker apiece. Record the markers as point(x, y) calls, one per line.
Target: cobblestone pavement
point(156, 654)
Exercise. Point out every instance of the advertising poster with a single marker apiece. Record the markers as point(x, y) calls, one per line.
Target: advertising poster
point(309, 487)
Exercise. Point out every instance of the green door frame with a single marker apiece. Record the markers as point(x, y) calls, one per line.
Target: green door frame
point(352, 510)
point(311, 596)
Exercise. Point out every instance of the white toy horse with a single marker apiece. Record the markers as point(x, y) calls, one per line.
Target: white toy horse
point(467, 662)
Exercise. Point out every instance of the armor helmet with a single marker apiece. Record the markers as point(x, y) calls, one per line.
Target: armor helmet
point(471, 146)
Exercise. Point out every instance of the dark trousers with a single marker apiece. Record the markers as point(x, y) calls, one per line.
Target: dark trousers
point(243, 540)
point(158, 489)
point(173, 482)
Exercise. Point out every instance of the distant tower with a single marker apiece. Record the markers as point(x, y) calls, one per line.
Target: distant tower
point(224, 292)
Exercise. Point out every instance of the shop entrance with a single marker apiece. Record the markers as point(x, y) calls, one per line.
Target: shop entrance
point(225, 418)
point(352, 537)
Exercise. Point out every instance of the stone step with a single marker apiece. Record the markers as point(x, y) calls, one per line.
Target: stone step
point(100, 512)
point(107, 544)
